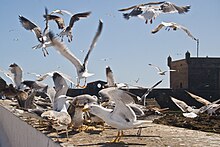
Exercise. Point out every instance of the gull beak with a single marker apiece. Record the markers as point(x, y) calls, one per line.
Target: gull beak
point(86, 108)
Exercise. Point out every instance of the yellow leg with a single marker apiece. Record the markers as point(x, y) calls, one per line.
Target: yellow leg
point(116, 139)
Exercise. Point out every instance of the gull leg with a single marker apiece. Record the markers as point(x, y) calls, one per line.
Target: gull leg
point(67, 134)
point(121, 134)
point(116, 139)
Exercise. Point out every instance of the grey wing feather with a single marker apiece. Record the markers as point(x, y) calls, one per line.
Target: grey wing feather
point(64, 51)
point(95, 39)
point(28, 25)
point(160, 26)
point(77, 17)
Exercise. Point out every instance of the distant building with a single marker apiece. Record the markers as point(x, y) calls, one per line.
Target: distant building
point(197, 74)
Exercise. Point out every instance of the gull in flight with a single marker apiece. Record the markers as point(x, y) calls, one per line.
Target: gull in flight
point(151, 10)
point(188, 110)
point(174, 26)
point(41, 36)
point(161, 72)
point(16, 72)
point(121, 117)
point(68, 30)
point(81, 68)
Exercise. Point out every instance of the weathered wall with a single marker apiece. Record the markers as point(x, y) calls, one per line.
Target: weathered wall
point(16, 133)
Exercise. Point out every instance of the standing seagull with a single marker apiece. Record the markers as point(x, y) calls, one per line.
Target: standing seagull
point(121, 117)
point(68, 30)
point(41, 36)
point(81, 68)
point(174, 26)
point(161, 72)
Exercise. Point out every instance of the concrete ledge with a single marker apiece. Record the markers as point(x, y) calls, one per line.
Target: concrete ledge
point(17, 133)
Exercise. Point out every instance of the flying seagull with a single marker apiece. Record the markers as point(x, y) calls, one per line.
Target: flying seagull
point(41, 36)
point(68, 30)
point(187, 110)
point(151, 10)
point(174, 26)
point(161, 72)
point(81, 68)
point(146, 11)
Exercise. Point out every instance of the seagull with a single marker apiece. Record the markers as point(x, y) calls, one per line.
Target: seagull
point(160, 72)
point(59, 115)
point(174, 26)
point(146, 11)
point(42, 37)
point(81, 68)
point(151, 10)
point(16, 72)
point(76, 109)
point(68, 30)
point(188, 110)
point(209, 107)
point(111, 81)
point(121, 117)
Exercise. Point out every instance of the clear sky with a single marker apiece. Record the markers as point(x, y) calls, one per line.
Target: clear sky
point(128, 45)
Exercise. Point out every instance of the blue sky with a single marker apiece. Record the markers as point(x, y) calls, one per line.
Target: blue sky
point(128, 44)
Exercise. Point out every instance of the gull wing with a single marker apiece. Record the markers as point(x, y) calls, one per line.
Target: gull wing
point(168, 7)
point(77, 17)
point(187, 32)
point(61, 12)
point(198, 98)
point(135, 6)
point(110, 77)
point(156, 67)
point(123, 111)
point(181, 104)
point(95, 39)
point(158, 28)
point(61, 86)
point(113, 93)
point(28, 25)
point(17, 72)
point(61, 90)
point(44, 76)
point(7, 74)
point(57, 19)
point(148, 91)
point(64, 51)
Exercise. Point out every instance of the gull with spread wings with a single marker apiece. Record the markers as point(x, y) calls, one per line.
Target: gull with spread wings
point(68, 30)
point(81, 68)
point(160, 71)
point(41, 36)
point(151, 10)
point(174, 26)
point(121, 117)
